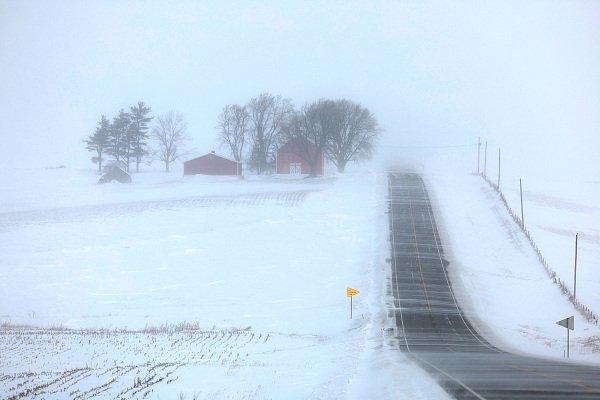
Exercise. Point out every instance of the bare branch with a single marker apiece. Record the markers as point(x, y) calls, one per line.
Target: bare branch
point(232, 124)
point(169, 134)
point(354, 131)
point(268, 114)
point(309, 131)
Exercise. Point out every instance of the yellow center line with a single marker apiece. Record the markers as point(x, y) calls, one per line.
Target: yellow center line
point(412, 218)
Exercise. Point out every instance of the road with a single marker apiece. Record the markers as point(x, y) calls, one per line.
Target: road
point(436, 333)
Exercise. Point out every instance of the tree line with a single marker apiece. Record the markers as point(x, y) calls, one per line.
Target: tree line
point(341, 129)
point(125, 138)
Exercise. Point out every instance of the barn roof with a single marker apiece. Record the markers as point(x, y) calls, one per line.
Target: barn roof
point(212, 154)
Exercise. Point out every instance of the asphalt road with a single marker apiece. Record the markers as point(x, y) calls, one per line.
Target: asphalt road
point(435, 332)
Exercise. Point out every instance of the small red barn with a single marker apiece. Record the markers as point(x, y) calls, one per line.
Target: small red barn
point(212, 164)
point(291, 158)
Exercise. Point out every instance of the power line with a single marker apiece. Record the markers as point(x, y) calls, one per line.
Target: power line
point(432, 147)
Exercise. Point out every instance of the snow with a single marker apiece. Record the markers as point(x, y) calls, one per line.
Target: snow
point(207, 286)
point(497, 276)
point(229, 259)
point(41, 189)
point(226, 288)
point(554, 212)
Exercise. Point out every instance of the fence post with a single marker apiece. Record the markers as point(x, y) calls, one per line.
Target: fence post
point(522, 215)
point(499, 168)
point(485, 161)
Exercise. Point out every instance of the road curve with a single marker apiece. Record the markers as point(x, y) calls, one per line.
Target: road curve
point(435, 332)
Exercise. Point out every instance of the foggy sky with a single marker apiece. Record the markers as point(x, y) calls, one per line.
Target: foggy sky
point(523, 75)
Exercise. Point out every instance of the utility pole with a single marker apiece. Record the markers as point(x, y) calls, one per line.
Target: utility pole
point(478, 152)
point(522, 216)
point(485, 161)
point(575, 277)
point(498, 168)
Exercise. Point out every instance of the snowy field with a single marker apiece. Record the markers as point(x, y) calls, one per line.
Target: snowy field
point(149, 262)
point(555, 211)
point(207, 287)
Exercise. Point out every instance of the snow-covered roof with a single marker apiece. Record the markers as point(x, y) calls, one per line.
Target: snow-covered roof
point(212, 153)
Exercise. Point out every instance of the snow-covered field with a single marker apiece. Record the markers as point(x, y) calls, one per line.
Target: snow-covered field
point(265, 256)
point(102, 277)
point(554, 212)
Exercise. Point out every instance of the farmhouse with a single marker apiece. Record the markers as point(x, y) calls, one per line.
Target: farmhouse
point(292, 158)
point(212, 164)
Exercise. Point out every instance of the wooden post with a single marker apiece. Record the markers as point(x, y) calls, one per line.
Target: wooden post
point(522, 216)
point(351, 307)
point(575, 277)
point(485, 161)
point(499, 168)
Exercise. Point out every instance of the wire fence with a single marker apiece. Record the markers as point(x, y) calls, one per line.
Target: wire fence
point(584, 310)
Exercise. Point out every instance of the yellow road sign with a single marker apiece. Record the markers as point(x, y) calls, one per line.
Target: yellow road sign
point(351, 292)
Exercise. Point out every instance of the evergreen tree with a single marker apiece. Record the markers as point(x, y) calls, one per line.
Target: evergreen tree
point(99, 141)
point(140, 119)
point(119, 141)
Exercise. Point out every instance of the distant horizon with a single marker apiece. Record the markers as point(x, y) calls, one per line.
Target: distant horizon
point(522, 76)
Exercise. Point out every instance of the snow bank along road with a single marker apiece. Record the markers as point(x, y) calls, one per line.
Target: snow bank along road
point(434, 331)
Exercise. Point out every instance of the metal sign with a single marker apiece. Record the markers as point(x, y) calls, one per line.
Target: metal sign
point(351, 292)
point(568, 323)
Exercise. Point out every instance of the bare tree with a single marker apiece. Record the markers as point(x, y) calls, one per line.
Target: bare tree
point(232, 124)
point(169, 134)
point(309, 131)
point(268, 113)
point(354, 132)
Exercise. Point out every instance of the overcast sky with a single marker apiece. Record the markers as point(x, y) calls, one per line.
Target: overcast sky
point(523, 75)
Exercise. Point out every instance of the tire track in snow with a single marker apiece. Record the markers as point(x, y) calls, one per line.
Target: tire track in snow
point(17, 219)
point(123, 365)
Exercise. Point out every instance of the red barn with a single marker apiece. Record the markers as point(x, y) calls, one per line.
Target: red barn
point(289, 160)
point(212, 164)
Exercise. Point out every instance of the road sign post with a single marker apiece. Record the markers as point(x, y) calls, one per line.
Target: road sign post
point(351, 292)
point(568, 323)
point(575, 273)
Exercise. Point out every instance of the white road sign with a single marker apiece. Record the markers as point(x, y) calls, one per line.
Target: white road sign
point(567, 322)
